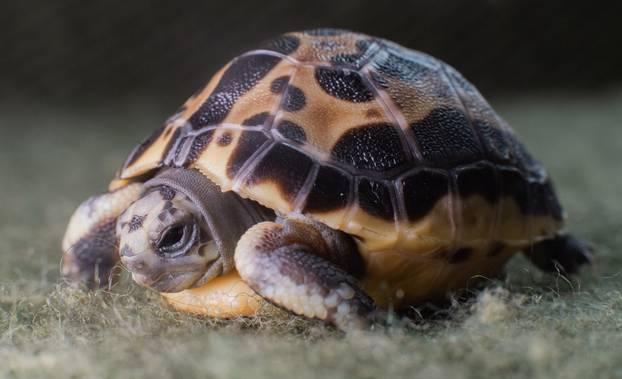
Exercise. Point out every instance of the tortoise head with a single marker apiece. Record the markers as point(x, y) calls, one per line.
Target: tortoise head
point(165, 242)
point(182, 232)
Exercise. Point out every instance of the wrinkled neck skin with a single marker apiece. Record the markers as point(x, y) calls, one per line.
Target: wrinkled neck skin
point(226, 214)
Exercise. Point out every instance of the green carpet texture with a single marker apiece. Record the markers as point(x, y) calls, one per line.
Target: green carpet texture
point(530, 325)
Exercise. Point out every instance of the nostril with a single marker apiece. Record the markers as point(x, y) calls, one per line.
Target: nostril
point(126, 251)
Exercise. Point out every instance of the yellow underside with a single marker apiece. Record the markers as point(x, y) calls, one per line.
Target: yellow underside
point(226, 296)
point(412, 263)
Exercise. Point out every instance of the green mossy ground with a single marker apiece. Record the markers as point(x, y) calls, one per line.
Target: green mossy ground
point(530, 325)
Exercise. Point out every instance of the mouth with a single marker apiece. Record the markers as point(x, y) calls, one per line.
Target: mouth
point(167, 275)
point(167, 282)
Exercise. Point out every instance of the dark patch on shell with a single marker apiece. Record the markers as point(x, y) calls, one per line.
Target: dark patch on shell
point(374, 147)
point(532, 198)
point(284, 44)
point(543, 200)
point(498, 149)
point(374, 197)
point(142, 147)
point(445, 138)
point(248, 143)
point(524, 160)
point(199, 144)
point(478, 179)
point(295, 99)
point(171, 143)
point(514, 184)
point(330, 191)
point(343, 84)
point(279, 84)
point(292, 132)
point(224, 139)
point(242, 75)
point(289, 177)
point(257, 119)
point(422, 189)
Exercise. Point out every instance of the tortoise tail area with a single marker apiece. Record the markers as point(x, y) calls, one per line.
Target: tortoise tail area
point(562, 253)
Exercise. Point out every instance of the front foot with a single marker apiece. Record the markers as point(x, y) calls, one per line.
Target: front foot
point(90, 245)
point(294, 270)
point(91, 261)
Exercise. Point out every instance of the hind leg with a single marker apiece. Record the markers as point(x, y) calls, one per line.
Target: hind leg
point(561, 253)
point(90, 245)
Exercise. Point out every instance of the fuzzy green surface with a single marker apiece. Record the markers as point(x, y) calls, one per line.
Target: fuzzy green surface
point(530, 325)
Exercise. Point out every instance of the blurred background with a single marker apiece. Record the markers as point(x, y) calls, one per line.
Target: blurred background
point(89, 51)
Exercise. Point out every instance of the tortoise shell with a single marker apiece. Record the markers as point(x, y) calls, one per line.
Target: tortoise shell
point(382, 142)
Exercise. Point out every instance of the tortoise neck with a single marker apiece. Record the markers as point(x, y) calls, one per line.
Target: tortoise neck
point(226, 214)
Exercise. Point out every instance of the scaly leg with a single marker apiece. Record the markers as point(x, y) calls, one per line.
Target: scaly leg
point(90, 245)
point(307, 268)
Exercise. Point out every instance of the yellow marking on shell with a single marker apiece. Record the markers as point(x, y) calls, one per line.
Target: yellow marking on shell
point(476, 219)
point(225, 296)
point(326, 118)
point(335, 219)
point(194, 103)
point(268, 194)
point(378, 234)
point(320, 49)
point(214, 159)
point(415, 101)
point(260, 98)
point(433, 231)
point(152, 157)
point(516, 229)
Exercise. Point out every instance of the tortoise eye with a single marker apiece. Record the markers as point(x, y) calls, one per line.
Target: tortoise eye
point(172, 236)
point(174, 239)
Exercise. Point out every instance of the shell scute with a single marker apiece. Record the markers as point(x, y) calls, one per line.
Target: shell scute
point(422, 189)
point(287, 179)
point(241, 76)
point(375, 197)
point(362, 134)
point(331, 190)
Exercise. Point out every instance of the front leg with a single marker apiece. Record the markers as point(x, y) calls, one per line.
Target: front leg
point(90, 245)
point(307, 268)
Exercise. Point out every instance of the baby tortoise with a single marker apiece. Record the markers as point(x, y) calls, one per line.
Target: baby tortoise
point(330, 173)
